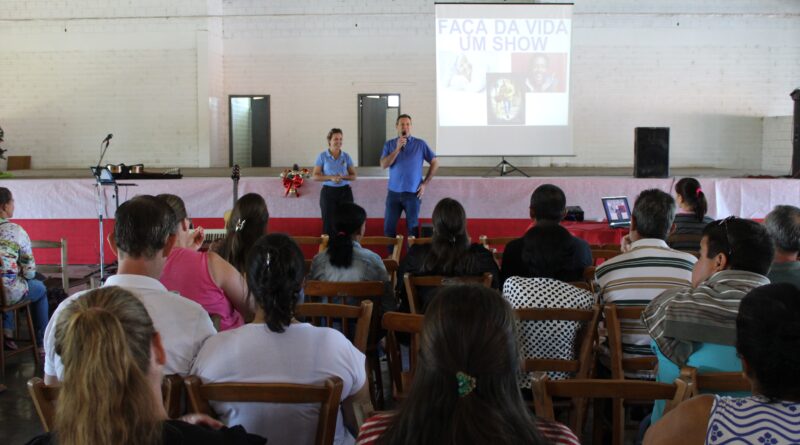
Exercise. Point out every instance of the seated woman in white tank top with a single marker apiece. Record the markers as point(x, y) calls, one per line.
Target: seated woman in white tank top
point(768, 341)
point(275, 348)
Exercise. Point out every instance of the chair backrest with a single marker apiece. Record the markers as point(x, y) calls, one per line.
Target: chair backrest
point(385, 241)
point(412, 240)
point(62, 268)
point(45, 398)
point(391, 266)
point(604, 252)
point(544, 390)
point(613, 315)
point(412, 282)
point(323, 314)
point(394, 322)
point(714, 381)
point(328, 395)
point(584, 340)
point(682, 240)
point(582, 285)
point(321, 241)
point(492, 244)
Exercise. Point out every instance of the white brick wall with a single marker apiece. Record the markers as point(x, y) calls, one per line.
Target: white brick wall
point(777, 151)
point(158, 74)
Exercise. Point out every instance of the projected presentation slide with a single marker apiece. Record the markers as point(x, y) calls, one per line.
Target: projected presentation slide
point(502, 78)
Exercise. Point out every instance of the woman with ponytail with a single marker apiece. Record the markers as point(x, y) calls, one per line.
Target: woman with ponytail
point(449, 253)
point(691, 217)
point(277, 348)
point(248, 222)
point(345, 259)
point(465, 387)
point(111, 393)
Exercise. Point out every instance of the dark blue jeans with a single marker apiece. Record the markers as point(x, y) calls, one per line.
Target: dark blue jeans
point(37, 294)
point(396, 203)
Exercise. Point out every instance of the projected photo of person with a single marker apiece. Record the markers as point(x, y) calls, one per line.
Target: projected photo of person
point(504, 99)
point(464, 72)
point(544, 72)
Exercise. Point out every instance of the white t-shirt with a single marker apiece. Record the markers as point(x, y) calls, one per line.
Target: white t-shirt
point(302, 354)
point(183, 324)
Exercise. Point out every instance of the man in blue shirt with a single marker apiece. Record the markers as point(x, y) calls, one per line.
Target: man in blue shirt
point(403, 156)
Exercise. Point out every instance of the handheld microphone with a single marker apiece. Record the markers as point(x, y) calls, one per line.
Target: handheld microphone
point(108, 138)
point(403, 134)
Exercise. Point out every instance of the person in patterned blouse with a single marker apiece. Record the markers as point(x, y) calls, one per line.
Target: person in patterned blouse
point(767, 341)
point(19, 271)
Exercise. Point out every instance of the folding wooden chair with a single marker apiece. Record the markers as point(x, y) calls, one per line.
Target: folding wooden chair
point(324, 314)
point(613, 316)
point(5, 307)
point(714, 381)
point(411, 324)
point(412, 282)
point(62, 268)
point(544, 390)
point(384, 241)
point(321, 241)
point(413, 240)
point(45, 398)
point(492, 244)
point(362, 290)
point(584, 347)
point(604, 252)
point(328, 395)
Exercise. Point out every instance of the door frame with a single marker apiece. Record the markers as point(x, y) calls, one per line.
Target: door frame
point(358, 105)
point(230, 124)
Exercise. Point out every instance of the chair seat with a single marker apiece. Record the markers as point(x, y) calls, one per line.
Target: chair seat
point(18, 305)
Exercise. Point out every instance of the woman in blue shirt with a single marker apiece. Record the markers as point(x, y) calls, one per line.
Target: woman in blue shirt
point(335, 167)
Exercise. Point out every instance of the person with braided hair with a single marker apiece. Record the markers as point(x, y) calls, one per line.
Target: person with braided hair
point(767, 341)
point(691, 217)
point(450, 252)
point(276, 348)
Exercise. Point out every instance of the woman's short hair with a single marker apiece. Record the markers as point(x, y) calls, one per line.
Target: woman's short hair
point(334, 131)
point(275, 275)
point(768, 339)
point(5, 196)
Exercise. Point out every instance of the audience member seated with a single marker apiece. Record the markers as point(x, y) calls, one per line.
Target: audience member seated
point(691, 217)
point(204, 277)
point(19, 271)
point(345, 259)
point(465, 386)
point(142, 240)
point(646, 269)
point(449, 253)
point(248, 222)
point(767, 340)
point(783, 225)
point(697, 326)
point(548, 205)
point(547, 339)
point(275, 348)
point(113, 366)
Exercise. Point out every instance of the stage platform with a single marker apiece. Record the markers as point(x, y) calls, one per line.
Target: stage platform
point(66, 206)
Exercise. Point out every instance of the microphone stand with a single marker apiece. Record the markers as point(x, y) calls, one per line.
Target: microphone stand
point(101, 205)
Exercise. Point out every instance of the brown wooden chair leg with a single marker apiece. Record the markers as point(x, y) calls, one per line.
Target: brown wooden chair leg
point(598, 424)
point(617, 422)
point(32, 332)
point(376, 369)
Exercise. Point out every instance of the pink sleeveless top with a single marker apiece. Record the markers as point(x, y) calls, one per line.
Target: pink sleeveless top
point(186, 272)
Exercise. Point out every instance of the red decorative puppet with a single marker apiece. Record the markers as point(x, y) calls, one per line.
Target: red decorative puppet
point(293, 179)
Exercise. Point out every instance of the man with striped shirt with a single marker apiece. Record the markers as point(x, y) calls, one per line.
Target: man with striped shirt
point(646, 269)
point(697, 326)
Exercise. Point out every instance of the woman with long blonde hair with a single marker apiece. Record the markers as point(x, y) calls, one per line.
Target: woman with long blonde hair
point(111, 393)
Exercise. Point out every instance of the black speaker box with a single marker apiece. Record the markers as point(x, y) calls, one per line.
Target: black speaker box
point(651, 152)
